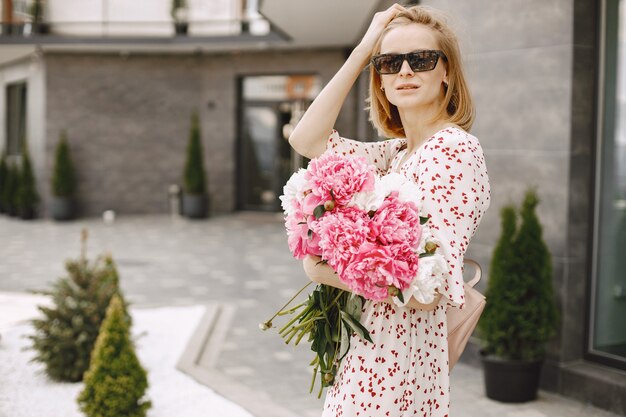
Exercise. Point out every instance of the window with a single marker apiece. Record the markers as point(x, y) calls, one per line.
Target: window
point(15, 118)
point(607, 341)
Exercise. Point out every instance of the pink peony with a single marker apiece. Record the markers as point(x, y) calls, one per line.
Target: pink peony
point(396, 221)
point(300, 243)
point(345, 176)
point(373, 269)
point(404, 252)
point(342, 232)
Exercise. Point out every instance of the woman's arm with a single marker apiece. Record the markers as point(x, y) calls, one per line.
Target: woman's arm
point(323, 274)
point(310, 134)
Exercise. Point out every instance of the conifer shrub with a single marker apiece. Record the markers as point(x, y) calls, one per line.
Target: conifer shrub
point(494, 321)
point(11, 186)
point(195, 175)
point(65, 336)
point(27, 196)
point(115, 383)
point(520, 315)
point(176, 5)
point(64, 174)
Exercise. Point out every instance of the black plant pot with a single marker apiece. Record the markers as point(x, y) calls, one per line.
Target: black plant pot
point(195, 205)
point(181, 28)
point(40, 28)
point(62, 208)
point(12, 211)
point(27, 213)
point(511, 381)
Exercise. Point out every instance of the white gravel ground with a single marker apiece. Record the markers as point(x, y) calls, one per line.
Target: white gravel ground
point(160, 335)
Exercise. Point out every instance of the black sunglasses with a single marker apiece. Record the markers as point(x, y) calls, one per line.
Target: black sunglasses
point(423, 60)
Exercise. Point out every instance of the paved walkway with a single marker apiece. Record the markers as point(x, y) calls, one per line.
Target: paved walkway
point(241, 260)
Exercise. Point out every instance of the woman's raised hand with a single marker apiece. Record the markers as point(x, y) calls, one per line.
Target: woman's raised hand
point(310, 136)
point(379, 22)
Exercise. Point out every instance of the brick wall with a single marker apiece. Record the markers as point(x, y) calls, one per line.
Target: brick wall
point(127, 119)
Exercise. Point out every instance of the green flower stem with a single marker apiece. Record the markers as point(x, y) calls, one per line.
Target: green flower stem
point(291, 311)
point(291, 337)
point(307, 330)
point(289, 302)
point(313, 379)
point(309, 321)
point(341, 293)
point(292, 321)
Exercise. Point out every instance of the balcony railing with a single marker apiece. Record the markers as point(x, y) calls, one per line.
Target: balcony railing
point(140, 20)
point(27, 32)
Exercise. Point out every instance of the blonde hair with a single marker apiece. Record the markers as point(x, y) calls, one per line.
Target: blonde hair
point(457, 106)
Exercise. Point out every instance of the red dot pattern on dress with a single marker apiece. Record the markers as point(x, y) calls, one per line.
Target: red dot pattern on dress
point(405, 371)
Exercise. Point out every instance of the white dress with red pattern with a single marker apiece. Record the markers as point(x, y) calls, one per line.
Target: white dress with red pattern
point(405, 372)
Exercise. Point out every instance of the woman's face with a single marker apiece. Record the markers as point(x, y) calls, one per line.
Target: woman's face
point(429, 91)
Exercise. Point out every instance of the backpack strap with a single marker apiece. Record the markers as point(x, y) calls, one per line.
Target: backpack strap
point(478, 270)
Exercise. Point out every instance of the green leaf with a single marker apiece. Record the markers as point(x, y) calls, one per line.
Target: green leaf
point(354, 305)
point(423, 220)
point(400, 297)
point(344, 344)
point(319, 211)
point(425, 254)
point(356, 326)
point(327, 333)
point(310, 234)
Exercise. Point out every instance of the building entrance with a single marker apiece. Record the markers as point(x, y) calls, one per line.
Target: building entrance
point(270, 106)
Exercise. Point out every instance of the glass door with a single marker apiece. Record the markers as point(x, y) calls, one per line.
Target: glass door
point(269, 108)
point(265, 156)
point(607, 342)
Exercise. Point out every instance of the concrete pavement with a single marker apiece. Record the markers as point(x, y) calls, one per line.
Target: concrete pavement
point(241, 261)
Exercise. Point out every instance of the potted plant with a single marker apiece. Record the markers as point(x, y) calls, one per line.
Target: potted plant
point(9, 193)
point(195, 199)
point(521, 315)
point(3, 179)
point(180, 14)
point(62, 205)
point(37, 14)
point(27, 196)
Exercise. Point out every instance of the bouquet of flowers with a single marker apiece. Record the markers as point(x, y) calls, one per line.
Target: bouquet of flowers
point(369, 230)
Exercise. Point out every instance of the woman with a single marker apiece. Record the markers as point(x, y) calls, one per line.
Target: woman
point(418, 95)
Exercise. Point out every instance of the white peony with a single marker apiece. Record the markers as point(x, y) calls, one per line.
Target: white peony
point(431, 273)
point(294, 189)
point(430, 276)
point(407, 189)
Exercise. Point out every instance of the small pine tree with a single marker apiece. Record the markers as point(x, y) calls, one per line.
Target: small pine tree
point(64, 175)
point(36, 11)
point(535, 271)
point(3, 179)
point(496, 323)
point(520, 315)
point(115, 383)
point(9, 194)
point(27, 196)
point(177, 4)
point(194, 167)
point(65, 336)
